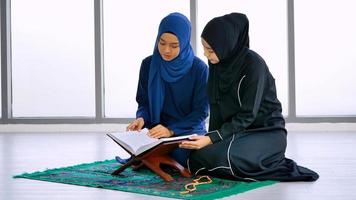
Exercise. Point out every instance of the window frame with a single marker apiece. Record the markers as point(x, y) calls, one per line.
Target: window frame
point(6, 96)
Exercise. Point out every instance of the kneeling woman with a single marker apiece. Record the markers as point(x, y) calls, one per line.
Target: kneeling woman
point(171, 92)
point(247, 137)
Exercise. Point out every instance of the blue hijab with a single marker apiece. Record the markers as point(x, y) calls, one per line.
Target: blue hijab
point(162, 71)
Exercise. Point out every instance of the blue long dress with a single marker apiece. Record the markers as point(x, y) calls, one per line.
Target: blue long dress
point(185, 105)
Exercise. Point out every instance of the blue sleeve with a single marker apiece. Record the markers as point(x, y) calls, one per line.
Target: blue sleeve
point(142, 93)
point(194, 122)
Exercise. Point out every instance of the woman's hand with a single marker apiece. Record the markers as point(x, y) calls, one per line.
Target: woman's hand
point(160, 131)
point(136, 125)
point(196, 142)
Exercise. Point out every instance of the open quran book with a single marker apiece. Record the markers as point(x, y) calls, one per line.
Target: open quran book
point(138, 142)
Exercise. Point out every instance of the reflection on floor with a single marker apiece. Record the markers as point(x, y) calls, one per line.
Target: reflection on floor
point(331, 154)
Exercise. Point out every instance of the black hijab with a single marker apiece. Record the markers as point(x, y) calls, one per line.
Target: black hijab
point(228, 37)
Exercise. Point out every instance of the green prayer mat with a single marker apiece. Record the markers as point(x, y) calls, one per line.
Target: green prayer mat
point(143, 181)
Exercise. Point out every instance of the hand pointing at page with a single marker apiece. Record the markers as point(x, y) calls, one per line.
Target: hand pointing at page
point(136, 125)
point(160, 131)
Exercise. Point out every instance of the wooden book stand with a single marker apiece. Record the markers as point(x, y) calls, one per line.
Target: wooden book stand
point(153, 158)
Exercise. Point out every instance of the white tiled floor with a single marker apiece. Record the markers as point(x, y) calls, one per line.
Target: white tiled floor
point(331, 154)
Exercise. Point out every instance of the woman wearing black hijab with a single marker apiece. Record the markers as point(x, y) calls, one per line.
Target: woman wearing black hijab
point(247, 137)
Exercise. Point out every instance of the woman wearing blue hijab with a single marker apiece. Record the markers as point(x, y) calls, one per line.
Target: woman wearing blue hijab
point(171, 93)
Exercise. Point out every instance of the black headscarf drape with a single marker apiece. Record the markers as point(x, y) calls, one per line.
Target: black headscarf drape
point(228, 37)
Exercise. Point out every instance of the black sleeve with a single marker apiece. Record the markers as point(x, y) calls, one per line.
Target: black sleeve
point(250, 90)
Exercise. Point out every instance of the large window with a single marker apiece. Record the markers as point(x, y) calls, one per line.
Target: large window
point(53, 58)
point(268, 33)
point(325, 57)
point(0, 84)
point(130, 32)
point(57, 49)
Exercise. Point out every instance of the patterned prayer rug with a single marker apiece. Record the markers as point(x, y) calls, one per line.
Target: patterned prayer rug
point(143, 181)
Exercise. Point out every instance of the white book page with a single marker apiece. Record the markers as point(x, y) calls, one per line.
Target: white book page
point(177, 138)
point(158, 141)
point(138, 142)
point(135, 139)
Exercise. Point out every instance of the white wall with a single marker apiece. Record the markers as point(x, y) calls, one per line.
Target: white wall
point(90, 128)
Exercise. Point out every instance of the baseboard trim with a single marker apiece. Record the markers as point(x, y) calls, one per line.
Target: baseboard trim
point(291, 127)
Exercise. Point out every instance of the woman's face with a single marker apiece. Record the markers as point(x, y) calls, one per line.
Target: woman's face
point(209, 52)
point(168, 46)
